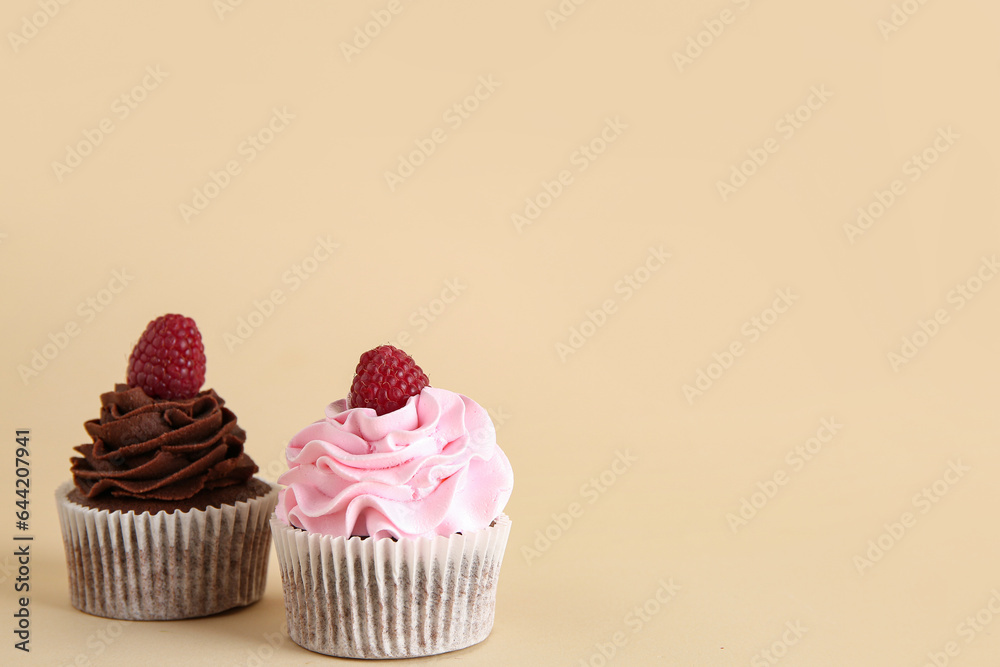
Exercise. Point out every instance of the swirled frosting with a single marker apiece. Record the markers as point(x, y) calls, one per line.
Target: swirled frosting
point(158, 449)
point(432, 467)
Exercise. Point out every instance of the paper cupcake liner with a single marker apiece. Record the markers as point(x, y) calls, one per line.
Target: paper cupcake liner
point(365, 598)
point(165, 566)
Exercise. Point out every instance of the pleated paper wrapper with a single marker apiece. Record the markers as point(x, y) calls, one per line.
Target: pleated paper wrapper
point(380, 598)
point(165, 566)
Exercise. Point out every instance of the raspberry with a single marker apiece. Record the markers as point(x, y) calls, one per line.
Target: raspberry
point(384, 379)
point(169, 359)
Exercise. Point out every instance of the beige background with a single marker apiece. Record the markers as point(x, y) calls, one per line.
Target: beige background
point(886, 95)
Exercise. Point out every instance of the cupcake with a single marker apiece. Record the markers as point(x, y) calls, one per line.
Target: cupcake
point(164, 518)
point(390, 531)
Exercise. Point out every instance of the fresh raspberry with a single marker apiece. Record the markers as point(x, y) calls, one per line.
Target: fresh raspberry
point(169, 359)
point(384, 379)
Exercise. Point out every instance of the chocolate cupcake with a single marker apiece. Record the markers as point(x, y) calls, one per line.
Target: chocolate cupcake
point(164, 518)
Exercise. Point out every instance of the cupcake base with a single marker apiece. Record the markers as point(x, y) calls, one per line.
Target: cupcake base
point(165, 566)
point(365, 598)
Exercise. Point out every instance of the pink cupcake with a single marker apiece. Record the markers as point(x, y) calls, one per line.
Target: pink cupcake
point(390, 533)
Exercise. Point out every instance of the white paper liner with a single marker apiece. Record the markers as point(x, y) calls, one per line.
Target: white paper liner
point(365, 598)
point(165, 566)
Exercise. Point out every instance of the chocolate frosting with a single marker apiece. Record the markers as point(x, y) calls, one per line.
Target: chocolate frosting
point(159, 449)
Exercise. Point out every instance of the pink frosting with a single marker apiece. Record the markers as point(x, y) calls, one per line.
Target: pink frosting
point(433, 467)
